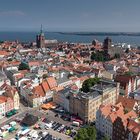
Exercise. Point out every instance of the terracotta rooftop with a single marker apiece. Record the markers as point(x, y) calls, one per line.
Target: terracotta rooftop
point(34, 63)
point(112, 111)
point(38, 91)
point(4, 99)
point(127, 102)
point(45, 86)
point(51, 82)
point(5, 53)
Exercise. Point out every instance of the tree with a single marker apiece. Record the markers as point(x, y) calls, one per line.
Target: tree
point(105, 138)
point(1, 41)
point(87, 84)
point(45, 76)
point(87, 133)
point(129, 73)
point(117, 55)
point(23, 66)
point(99, 56)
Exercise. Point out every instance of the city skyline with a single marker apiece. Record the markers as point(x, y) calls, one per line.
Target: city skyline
point(79, 15)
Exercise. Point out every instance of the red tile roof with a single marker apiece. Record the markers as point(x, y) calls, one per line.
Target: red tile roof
point(38, 91)
point(5, 99)
point(111, 111)
point(5, 53)
point(83, 78)
point(34, 63)
point(114, 111)
point(133, 126)
point(45, 86)
point(127, 103)
point(51, 82)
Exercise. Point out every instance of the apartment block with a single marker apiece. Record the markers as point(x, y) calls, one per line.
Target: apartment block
point(85, 105)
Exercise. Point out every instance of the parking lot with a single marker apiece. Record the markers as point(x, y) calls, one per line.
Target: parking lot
point(49, 127)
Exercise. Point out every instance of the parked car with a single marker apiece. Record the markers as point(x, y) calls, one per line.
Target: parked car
point(56, 115)
point(74, 123)
point(11, 113)
point(39, 138)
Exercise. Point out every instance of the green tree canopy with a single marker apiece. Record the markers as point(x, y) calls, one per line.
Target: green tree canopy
point(105, 138)
point(99, 56)
point(23, 66)
point(87, 84)
point(87, 133)
point(117, 55)
point(45, 76)
point(129, 73)
point(1, 41)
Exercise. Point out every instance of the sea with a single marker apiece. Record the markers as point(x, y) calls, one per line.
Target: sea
point(31, 36)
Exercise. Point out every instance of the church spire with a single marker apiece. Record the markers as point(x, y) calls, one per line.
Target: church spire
point(41, 29)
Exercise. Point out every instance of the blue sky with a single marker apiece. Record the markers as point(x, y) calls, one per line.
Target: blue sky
point(70, 15)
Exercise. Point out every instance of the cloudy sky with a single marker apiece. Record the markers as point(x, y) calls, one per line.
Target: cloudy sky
point(70, 15)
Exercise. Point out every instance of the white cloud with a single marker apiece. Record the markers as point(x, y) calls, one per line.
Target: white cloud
point(12, 13)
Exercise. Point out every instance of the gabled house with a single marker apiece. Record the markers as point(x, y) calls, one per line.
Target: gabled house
point(6, 104)
point(127, 84)
point(10, 91)
point(116, 123)
point(35, 94)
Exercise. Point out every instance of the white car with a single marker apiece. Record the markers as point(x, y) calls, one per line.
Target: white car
point(46, 127)
point(31, 134)
point(49, 125)
point(35, 137)
point(59, 129)
point(44, 134)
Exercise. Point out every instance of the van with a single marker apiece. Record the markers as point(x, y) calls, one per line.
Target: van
point(26, 131)
point(74, 123)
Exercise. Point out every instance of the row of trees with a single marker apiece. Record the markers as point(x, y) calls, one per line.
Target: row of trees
point(87, 84)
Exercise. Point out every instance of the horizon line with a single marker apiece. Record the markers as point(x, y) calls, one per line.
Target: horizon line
point(53, 31)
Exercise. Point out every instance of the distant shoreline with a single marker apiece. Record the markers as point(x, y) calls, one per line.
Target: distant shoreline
point(76, 37)
point(100, 33)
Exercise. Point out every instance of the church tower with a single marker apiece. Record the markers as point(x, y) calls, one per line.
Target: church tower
point(107, 45)
point(40, 39)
